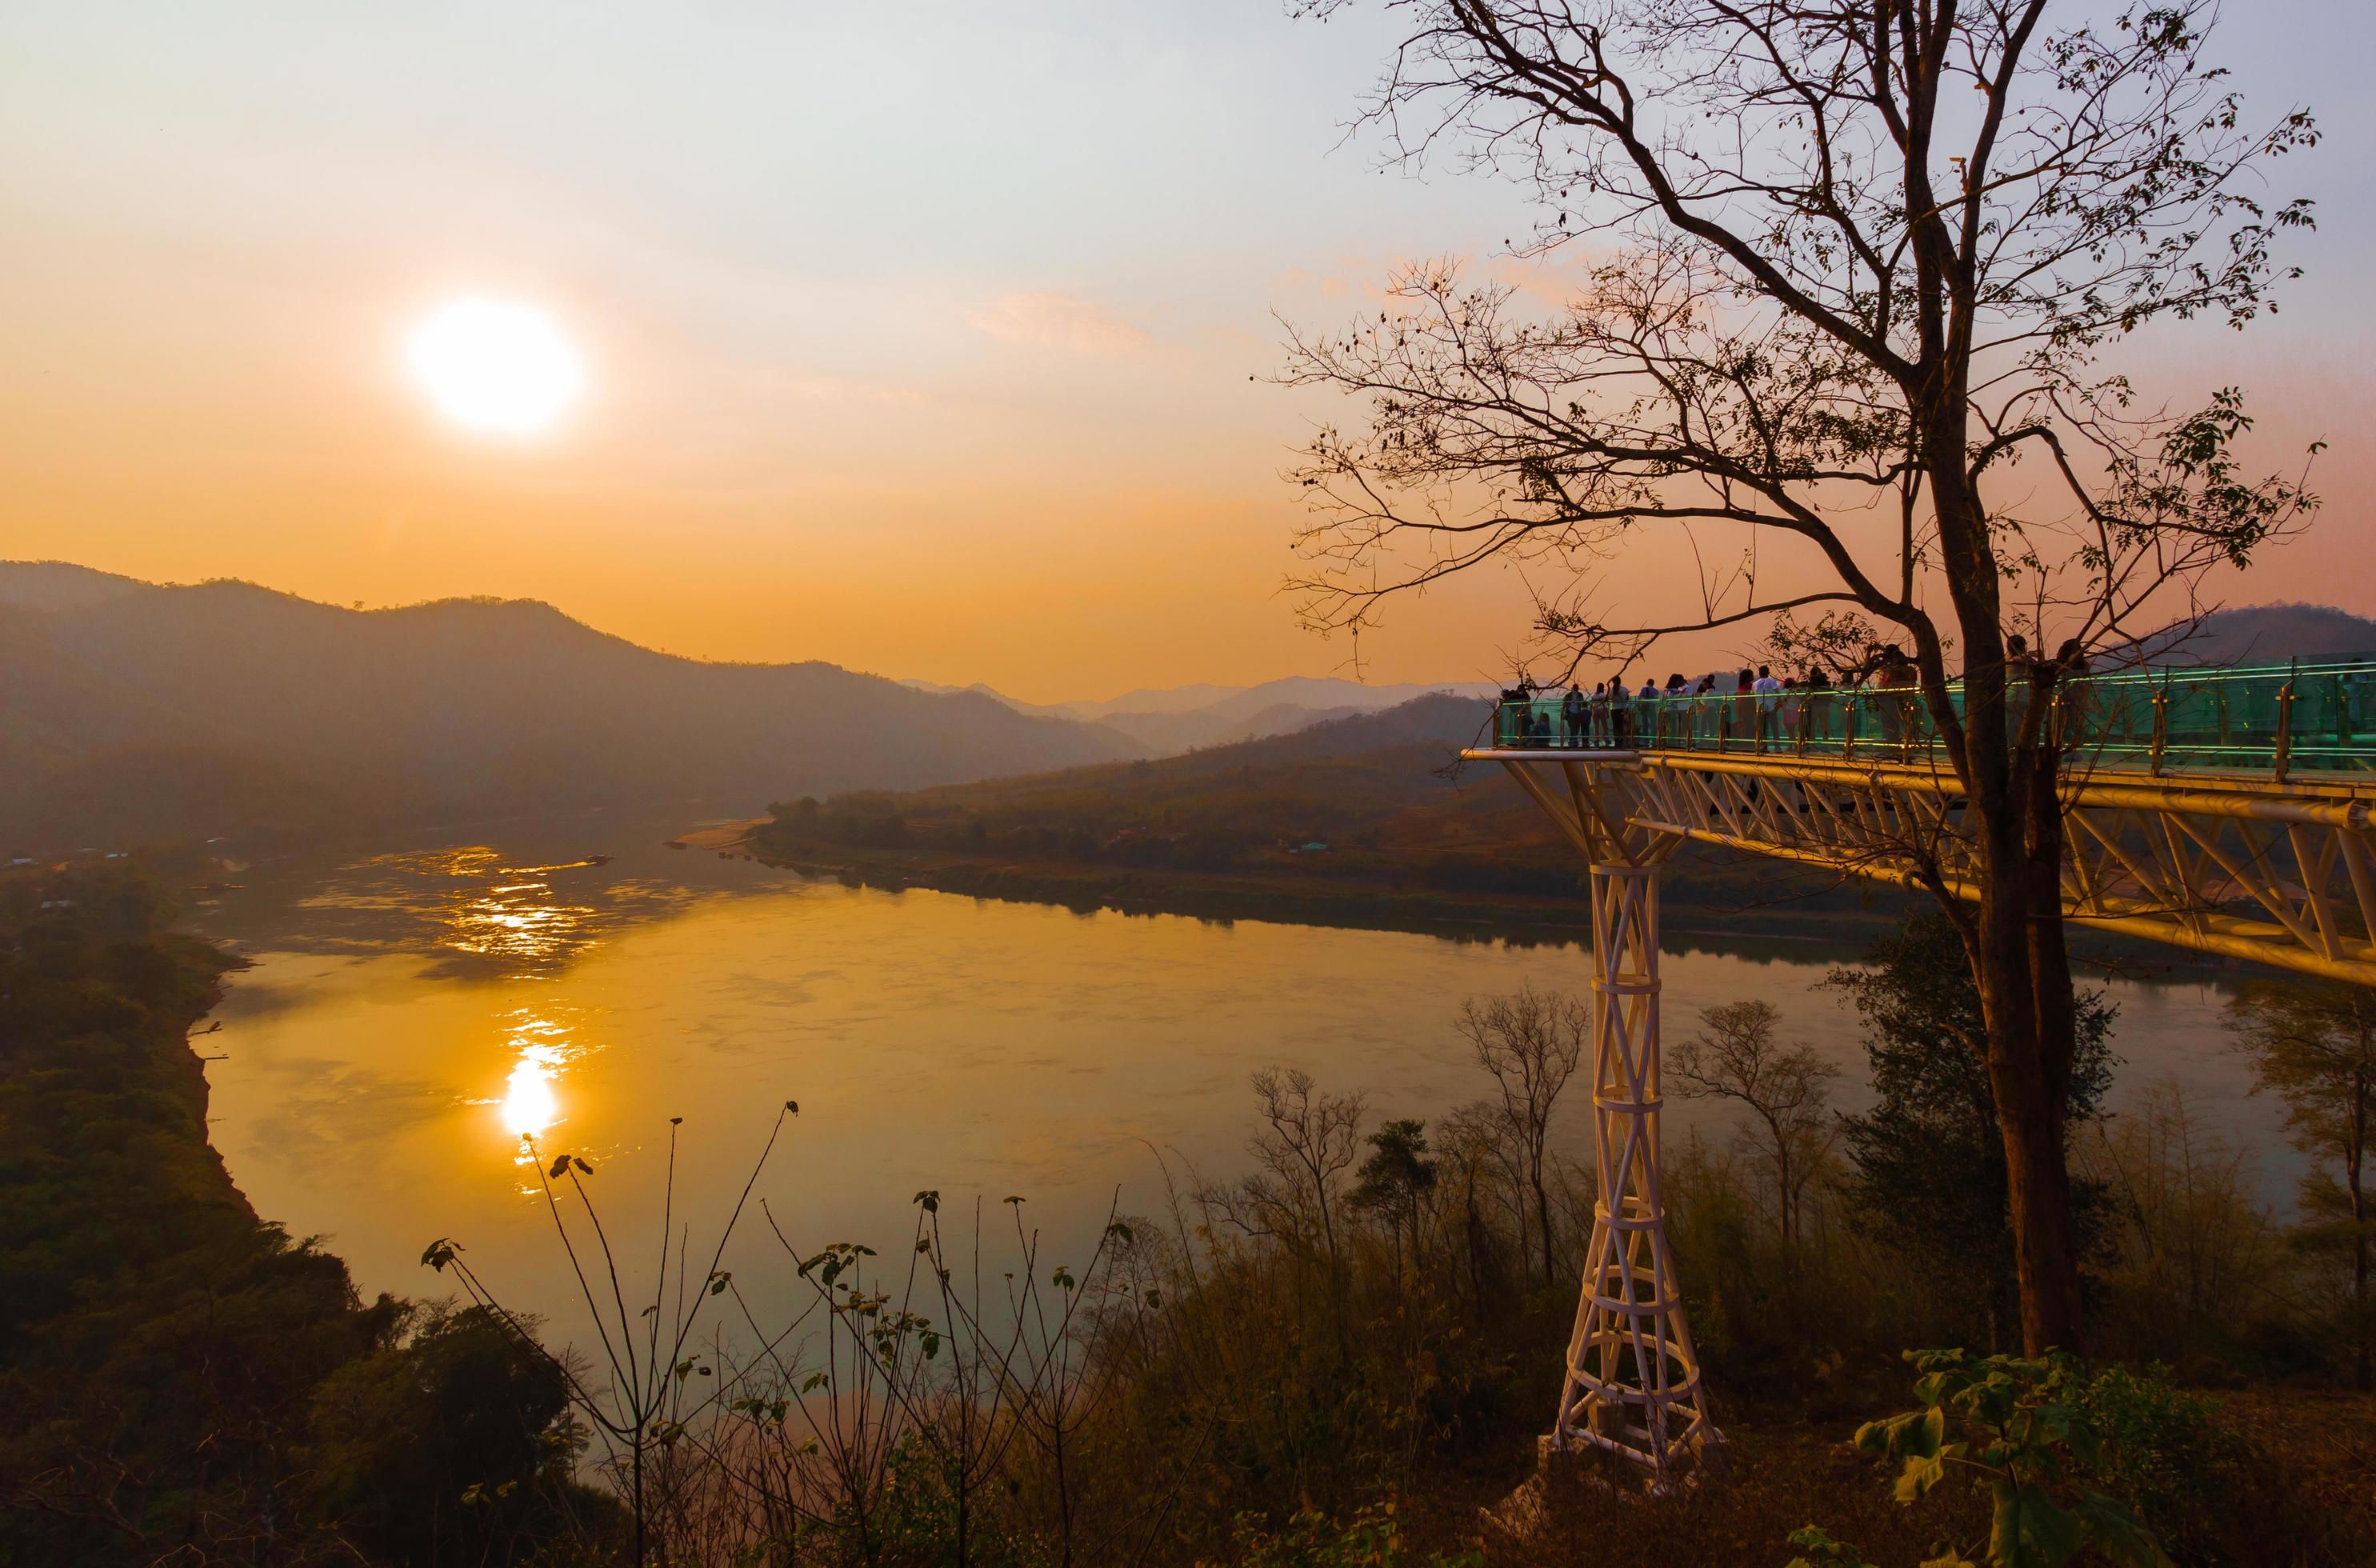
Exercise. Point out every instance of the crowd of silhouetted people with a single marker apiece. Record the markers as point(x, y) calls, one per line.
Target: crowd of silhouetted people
point(1750, 703)
point(1757, 702)
point(2318, 713)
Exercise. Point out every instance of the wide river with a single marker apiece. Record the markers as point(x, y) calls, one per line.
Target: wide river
point(408, 1016)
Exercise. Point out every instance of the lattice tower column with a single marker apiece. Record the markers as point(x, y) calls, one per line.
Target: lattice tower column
point(1633, 1381)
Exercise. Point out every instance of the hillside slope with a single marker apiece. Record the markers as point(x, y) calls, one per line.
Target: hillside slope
point(222, 706)
point(1367, 821)
point(2267, 634)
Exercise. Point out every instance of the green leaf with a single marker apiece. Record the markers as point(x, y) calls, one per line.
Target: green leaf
point(929, 1200)
point(1825, 1551)
point(1917, 1432)
point(2085, 1446)
point(560, 1164)
point(2030, 1530)
point(1923, 1472)
point(440, 1252)
point(582, 1168)
point(718, 1281)
point(2118, 1534)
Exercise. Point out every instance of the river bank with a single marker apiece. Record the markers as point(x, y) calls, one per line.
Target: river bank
point(1347, 904)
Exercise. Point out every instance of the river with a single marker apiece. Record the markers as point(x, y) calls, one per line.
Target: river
point(406, 1016)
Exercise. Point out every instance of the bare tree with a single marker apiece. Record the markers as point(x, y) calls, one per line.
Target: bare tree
point(1856, 264)
point(1736, 1056)
point(1531, 1042)
point(2314, 1043)
point(1478, 1173)
point(1306, 1144)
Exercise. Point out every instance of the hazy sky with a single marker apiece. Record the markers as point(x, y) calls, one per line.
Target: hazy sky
point(918, 338)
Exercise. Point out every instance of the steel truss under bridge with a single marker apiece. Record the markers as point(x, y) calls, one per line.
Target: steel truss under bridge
point(2270, 862)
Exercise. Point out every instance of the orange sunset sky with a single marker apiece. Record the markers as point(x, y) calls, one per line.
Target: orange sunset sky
point(917, 338)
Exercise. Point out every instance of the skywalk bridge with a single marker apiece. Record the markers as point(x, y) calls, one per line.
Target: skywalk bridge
point(2230, 811)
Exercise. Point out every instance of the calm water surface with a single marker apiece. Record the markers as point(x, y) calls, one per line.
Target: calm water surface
point(408, 1016)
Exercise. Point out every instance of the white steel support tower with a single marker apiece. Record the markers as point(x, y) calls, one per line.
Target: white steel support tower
point(1632, 1382)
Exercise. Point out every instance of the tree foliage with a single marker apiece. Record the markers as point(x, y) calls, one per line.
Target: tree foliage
point(1851, 264)
point(1927, 1158)
point(2019, 1428)
point(179, 1380)
point(2314, 1044)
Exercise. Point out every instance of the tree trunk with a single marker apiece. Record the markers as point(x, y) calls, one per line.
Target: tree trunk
point(2014, 814)
point(2360, 1366)
point(1543, 1218)
point(1785, 1194)
point(640, 1498)
point(1473, 1227)
point(2019, 932)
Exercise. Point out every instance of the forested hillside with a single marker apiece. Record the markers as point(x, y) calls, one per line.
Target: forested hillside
point(1371, 820)
point(179, 1380)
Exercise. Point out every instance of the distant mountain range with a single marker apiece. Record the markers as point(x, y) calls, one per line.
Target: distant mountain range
point(1181, 718)
point(134, 710)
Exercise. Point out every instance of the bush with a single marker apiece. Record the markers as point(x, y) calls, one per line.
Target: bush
point(1373, 1537)
point(2172, 1457)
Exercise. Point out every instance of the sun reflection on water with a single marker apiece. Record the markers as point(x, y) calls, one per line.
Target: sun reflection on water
point(542, 1049)
point(517, 921)
point(528, 1105)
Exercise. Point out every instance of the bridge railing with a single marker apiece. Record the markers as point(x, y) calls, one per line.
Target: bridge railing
point(2262, 719)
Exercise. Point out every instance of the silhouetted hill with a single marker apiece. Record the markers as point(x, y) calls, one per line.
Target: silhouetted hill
point(227, 706)
point(2267, 634)
point(60, 585)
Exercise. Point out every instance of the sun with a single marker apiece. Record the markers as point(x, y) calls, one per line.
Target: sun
point(495, 366)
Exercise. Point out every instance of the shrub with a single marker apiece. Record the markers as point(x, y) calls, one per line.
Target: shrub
point(2018, 1429)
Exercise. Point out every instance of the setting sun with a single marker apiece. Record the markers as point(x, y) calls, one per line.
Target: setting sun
point(495, 366)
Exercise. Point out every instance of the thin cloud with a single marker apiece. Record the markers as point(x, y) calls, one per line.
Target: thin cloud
point(1058, 321)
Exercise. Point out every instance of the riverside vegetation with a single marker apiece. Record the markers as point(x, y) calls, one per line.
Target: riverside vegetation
point(1339, 1355)
point(181, 1380)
